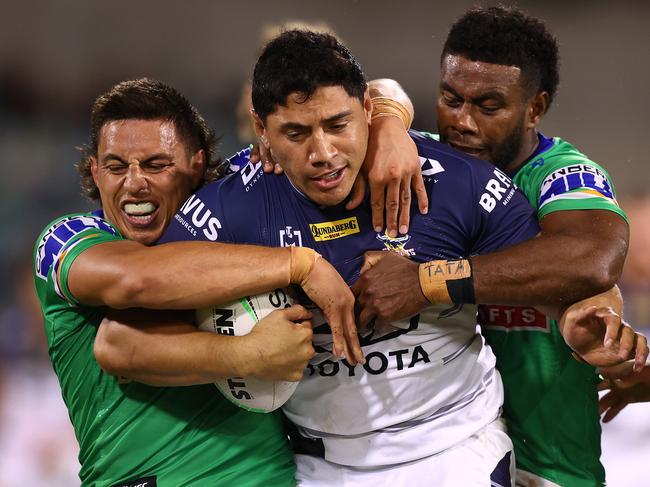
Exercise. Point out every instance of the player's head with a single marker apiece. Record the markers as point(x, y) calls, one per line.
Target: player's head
point(312, 110)
point(149, 149)
point(499, 75)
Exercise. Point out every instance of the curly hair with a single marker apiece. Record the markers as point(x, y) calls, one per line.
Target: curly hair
point(302, 61)
point(504, 35)
point(148, 99)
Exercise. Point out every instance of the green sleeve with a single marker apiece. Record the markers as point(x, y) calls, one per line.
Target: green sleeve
point(562, 178)
point(84, 241)
point(57, 248)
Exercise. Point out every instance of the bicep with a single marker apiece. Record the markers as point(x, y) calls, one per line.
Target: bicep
point(602, 228)
point(99, 272)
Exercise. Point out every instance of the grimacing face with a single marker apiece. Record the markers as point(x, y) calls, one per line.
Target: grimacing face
point(321, 142)
point(144, 172)
point(484, 111)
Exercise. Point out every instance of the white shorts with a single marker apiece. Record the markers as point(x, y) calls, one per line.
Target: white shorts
point(484, 459)
point(527, 479)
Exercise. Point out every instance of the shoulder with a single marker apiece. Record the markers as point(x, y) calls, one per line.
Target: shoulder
point(221, 207)
point(61, 234)
point(438, 157)
point(241, 182)
point(562, 177)
point(562, 158)
point(451, 169)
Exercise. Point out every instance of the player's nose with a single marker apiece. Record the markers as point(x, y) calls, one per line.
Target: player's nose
point(136, 180)
point(321, 151)
point(464, 120)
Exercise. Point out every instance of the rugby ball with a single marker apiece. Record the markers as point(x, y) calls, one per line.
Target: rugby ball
point(238, 318)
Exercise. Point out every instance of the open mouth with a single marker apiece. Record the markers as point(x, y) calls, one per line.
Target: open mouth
point(330, 180)
point(139, 214)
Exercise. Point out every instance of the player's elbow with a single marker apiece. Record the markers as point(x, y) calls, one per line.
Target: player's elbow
point(602, 269)
point(111, 356)
point(129, 291)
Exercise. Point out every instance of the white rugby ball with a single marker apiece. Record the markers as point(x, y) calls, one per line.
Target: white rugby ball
point(238, 318)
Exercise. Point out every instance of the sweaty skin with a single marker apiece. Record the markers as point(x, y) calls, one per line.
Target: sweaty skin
point(481, 108)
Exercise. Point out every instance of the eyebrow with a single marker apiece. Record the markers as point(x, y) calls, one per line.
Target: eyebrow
point(114, 157)
point(488, 95)
point(298, 126)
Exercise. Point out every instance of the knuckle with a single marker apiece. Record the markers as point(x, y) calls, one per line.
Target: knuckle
point(392, 204)
point(394, 172)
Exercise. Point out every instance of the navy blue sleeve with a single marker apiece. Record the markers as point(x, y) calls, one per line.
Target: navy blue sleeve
point(226, 210)
point(504, 217)
point(474, 207)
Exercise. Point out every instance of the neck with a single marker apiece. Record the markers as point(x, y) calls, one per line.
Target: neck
point(528, 146)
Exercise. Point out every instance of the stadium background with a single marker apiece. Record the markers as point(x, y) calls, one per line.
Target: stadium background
point(55, 57)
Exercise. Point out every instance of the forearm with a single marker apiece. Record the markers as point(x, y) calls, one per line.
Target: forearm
point(548, 270)
point(178, 275)
point(577, 255)
point(174, 354)
point(609, 299)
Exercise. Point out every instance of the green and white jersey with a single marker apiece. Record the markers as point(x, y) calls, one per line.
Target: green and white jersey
point(551, 403)
point(131, 433)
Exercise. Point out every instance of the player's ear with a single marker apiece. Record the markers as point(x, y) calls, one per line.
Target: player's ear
point(260, 130)
point(537, 107)
point(197, 167)
point(367, 104)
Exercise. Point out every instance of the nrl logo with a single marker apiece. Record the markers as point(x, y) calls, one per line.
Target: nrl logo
point(290, 238)
point(396, 244)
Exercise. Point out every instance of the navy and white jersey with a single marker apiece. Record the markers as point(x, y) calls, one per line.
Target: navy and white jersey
point(429, 382)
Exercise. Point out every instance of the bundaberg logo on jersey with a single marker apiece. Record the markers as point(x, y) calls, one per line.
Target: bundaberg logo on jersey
point(396, 244)
point(195, 216)
point(333, 230)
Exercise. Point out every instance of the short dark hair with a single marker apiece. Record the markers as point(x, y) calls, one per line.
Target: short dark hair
point(148, 99)
point(506, 35)
point(301, 61)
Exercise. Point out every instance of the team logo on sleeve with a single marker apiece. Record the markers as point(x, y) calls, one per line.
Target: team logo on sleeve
point(579, 181)
point(58, 236)
point(333, 230)
point(239, 160)
point(290, 237)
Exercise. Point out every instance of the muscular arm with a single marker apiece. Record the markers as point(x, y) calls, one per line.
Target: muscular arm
point(179, 275)
point(578, 254)
point(163, 349)
point(184, 275)
point(391, 166)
